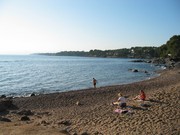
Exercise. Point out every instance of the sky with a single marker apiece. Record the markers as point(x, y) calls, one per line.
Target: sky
point(39, 26)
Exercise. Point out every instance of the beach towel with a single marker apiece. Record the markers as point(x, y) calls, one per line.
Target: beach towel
point(120, 111)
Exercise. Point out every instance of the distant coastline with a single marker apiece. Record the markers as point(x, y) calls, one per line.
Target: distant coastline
point(167, 54)
point(133, 52)
point(169, 50)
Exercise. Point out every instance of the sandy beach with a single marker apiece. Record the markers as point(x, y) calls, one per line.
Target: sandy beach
point(89, 112)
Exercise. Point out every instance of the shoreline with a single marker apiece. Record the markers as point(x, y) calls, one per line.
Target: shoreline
point(126, 89)
point(157, 74)
point(59, 113)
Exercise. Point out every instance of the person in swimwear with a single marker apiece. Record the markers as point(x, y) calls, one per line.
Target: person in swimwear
point(121, 101)
point(94, 82)
point(141, 96)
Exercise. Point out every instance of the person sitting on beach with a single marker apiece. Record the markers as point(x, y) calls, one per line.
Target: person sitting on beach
point(141, 96)
point(94, 82)
point(121, 101)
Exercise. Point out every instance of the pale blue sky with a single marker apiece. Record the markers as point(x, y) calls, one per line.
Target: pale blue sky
point(32, 26)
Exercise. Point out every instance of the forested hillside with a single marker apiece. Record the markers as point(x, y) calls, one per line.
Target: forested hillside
point(170, 49)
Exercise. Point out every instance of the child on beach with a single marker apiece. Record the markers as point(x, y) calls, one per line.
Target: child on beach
point(121, 101)
point(141, 96)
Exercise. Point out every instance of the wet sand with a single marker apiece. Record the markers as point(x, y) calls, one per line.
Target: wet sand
point(59, 113)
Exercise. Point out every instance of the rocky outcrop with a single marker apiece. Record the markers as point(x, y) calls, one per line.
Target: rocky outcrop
point(166, 62)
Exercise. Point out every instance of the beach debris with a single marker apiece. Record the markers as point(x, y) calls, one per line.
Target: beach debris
point(25, 118)
point(120, 111)
point(123, 111)
point(5, 119)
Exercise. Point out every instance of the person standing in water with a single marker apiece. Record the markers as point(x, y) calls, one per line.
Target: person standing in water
point(94, 82)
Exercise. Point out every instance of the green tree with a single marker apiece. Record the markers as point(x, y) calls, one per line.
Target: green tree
point(171, 48)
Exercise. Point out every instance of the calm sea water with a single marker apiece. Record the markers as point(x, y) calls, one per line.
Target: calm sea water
point(23, 75)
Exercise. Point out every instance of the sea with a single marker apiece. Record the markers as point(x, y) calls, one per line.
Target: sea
point(22, 75)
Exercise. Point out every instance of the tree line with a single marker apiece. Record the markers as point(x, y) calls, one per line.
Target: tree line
point(170, 49)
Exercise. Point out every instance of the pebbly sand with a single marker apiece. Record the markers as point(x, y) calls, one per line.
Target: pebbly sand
point(60, 114)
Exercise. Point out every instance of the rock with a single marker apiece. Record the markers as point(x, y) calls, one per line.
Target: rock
point(148, 61)
point(3, 96)
point(158, 61)
point(33, 95)
point(137, 61)
point(145, 71)
point(134, 70)
point(25, 112)
point(25, 118)
point(5, 119)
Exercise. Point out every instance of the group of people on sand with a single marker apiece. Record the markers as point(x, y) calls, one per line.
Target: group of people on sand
point(121, 102)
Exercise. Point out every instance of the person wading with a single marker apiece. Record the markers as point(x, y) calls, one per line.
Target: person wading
point(94, 82)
